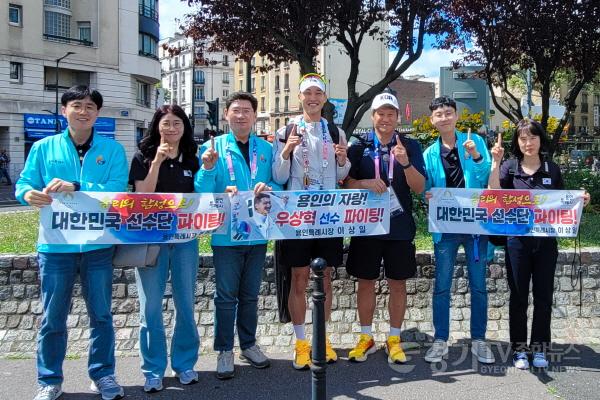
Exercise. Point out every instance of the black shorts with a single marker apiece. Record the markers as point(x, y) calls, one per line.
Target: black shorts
point(300, 252)
point(364, 258)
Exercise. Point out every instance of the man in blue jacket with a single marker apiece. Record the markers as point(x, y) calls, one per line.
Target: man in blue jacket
point(236, 162)
point(77, 159)
point(457, 160)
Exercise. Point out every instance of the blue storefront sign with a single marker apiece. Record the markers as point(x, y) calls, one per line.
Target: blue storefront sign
point(38, 126)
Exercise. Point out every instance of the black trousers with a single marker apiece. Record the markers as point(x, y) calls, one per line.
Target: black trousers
point(530, 259)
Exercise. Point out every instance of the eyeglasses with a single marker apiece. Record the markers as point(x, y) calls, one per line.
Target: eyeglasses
point(528, 138)
point(169, 125)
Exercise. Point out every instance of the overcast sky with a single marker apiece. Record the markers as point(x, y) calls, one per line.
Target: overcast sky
point(428, 64)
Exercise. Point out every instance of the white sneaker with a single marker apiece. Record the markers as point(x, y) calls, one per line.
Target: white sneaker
point(255, 357)
point(153, 385)
point(225, 365)
point(48, 392)
point(520, 360)
point(482, 351)
point(539, 360)
point(437, 351)
point(187, 377)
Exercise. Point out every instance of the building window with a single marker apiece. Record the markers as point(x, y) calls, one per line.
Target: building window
point(276, 104)
point(183, 60)
point(183, 94)
point(262, 83)
point(286, 104)
point(262, 104)
point(277, 83)
point(225, 60)
point(183, 78)
point(148, 46)
point(597, 99)
point(143, 94)
point(66, 78)
point(252, 86)
point(225, 77)
point(225, 92)
point(241, 85)
point(148, 8)
point(198, 93)
point(57, 25)
point(198, 76)
point(85, 31)
point(15, 14)
point(58, 3)
point(276, 124)
point(16, 72)
point(286, 82)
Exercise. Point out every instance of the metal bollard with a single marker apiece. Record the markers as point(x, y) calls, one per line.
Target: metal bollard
point(319, 362)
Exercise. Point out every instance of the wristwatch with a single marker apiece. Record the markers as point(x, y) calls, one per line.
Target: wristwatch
point(407, 166)
point(478, 158)
point(77, 186)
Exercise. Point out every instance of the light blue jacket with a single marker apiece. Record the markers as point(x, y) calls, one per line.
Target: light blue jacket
point(104, 169)
point(217, 179)
point(476, 173)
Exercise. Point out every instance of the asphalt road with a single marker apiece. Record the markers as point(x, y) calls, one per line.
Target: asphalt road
point(574, 374)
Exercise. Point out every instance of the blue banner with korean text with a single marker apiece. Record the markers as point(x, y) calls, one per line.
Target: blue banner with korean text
point(506, 212)
point(308, 214)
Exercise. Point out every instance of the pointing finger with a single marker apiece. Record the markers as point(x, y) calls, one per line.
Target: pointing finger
point(212, 142)
point(499, 140)
point(469, 134)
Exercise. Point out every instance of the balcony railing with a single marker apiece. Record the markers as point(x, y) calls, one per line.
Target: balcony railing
point(69, 40)
point(149, 12)
point(146, 54)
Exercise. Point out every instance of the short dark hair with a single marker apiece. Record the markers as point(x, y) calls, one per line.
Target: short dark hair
point(80, 92)
point(261, 196)
point(532, 127)
point(442, 101)
point(151, 140)
point(241, 96)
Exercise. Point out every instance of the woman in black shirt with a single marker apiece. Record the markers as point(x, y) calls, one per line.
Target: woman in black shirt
point(529, 259)
point(167, 163)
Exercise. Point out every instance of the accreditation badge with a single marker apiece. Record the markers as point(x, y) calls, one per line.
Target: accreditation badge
point(395, 206)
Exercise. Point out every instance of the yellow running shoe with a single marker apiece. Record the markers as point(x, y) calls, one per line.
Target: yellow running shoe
point(330, 354)
point(364, 347)
point(394, 350)
point(302, 358)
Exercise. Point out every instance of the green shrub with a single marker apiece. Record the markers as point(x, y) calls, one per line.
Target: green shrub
point(584, 178)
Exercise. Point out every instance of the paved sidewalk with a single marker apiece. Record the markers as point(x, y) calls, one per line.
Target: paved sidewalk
point(574, 376)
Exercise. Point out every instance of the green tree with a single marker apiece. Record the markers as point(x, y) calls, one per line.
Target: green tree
point(293, 30)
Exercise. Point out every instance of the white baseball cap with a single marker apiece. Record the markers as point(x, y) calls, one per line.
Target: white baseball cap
point(312, 81)
point(384, 99)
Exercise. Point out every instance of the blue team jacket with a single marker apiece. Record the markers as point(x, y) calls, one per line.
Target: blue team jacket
point(217, 179)
point(104, 169)
point(476, 173)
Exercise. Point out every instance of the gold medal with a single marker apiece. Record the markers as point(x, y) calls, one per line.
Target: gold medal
point(306, 181)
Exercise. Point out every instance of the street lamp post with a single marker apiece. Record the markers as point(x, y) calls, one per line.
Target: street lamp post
point(58, 60)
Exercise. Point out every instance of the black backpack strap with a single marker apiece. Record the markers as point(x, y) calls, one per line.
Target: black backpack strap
point(288, 132)
point(334, 131)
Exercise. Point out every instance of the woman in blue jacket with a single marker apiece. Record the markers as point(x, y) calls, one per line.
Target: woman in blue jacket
point(167, 163)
